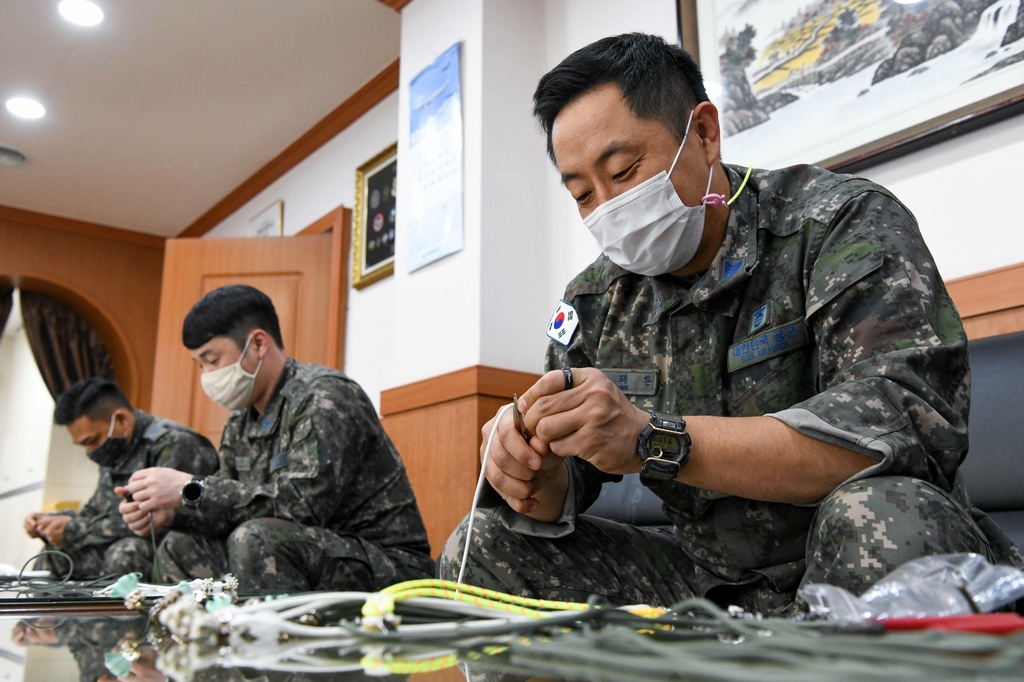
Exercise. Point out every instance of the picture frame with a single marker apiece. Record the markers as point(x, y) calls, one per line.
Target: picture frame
point(373, 221)
point(853, 100)
point(269, 222)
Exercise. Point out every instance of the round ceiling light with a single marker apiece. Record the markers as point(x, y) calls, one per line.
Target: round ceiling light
point(81, 12)
point(9, 156)
point(25, 107)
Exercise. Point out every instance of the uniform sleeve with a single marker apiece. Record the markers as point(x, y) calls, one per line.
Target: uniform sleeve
point(891, 356)
point(186, 451)
point(98, 522)
point(326, 440)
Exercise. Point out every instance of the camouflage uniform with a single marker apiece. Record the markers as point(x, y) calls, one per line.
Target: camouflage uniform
point(823, 309)
point(97, 538)
point(311, 494)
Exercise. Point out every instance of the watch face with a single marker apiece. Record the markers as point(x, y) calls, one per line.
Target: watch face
point(663, 442)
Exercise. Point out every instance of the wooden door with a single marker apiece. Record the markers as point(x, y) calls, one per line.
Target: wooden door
point(303, 275)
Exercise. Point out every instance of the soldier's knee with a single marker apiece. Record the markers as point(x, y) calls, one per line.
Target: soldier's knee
point(257, 537)
point(484, 526)
point(881, 502)
point(174, 544)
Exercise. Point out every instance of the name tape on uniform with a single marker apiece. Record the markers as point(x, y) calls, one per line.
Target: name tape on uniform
point(634, 381)
point(563, 324)
point(775, 341)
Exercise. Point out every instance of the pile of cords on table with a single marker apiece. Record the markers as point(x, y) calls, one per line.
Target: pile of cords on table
point(428, 625)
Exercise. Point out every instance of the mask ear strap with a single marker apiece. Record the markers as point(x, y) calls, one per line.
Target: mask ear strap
point(110, 431)
point(709, 198)
point(680, 150)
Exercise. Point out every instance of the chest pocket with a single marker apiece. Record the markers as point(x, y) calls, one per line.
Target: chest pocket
point(771, 371)
point(297, 456)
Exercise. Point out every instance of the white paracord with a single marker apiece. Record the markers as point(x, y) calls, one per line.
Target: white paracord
point(479, 489)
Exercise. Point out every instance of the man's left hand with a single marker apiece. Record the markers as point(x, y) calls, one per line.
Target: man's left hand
point(51, 527)
point(594, 420)
point(156, 488)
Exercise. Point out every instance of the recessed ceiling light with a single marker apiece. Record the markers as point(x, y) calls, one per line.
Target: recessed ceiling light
point(9, 156)
point(81, 12)
point(25, 107)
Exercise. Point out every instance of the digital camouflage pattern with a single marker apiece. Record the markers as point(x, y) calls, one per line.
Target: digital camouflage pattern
point(97, 538)
point(316, 457)
point(822, 308)
point(861, 532)
point(88, 639)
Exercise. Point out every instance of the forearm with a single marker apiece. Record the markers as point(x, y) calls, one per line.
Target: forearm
point(761, 458)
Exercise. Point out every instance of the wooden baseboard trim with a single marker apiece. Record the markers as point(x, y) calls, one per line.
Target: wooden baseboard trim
point(364, 99)
point(477, 380)
point(989, 291)
point(54, 222)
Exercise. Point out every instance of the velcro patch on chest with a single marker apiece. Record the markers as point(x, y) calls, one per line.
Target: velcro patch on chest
point(278, 462)
point(634, 381)
point(243, 463)
point(781, 339)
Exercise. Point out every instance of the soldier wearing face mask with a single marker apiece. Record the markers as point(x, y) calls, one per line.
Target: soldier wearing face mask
point(773, 352)
point(311, 494)
point(121, 440)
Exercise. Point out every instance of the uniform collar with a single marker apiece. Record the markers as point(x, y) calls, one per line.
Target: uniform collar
point(260, 424)
point(719, 289)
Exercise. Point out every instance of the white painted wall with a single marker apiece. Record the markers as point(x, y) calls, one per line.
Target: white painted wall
point(963, 193)
point(524, 241)
point(26, 415)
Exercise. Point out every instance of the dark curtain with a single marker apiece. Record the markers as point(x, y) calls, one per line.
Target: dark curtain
point(6, 301)
point(65, 347)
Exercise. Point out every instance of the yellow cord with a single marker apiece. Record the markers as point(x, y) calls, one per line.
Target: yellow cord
point(411, 588)
point(750, 169)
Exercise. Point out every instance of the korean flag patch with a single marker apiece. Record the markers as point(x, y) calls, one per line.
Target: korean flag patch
point(563, 323)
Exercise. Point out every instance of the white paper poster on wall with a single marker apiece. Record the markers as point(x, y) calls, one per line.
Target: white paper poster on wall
point(434, 226)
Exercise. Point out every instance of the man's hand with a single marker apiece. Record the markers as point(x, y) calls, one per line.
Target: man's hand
point(24, 634)
point(531, 483)
point(594, 420)
point(139, 521)
point(155, 488)
point(51, 527)
point(32, 523)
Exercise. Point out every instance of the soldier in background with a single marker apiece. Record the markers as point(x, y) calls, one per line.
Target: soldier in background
point(773, 352)
point(121, 440)
point(311, 494)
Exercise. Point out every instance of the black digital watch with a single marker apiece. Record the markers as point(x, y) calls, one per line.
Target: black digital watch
point(664, 447)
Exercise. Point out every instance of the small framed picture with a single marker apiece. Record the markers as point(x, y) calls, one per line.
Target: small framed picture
point(373, 225)
point(268, 222)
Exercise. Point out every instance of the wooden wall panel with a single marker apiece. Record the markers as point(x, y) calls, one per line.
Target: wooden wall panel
point(990, 302)
point(111, 277)
point(435, 425)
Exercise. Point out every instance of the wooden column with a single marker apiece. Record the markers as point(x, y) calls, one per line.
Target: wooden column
point(435, 424)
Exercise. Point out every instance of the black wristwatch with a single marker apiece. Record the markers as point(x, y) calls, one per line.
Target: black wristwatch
point(192, 493)
point(664, 447)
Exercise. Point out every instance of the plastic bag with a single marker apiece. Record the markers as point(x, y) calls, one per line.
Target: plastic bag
point(940, 585)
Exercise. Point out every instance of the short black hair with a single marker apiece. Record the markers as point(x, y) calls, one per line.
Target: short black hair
point(659, 81)
point(93, 398)
point(232, 311)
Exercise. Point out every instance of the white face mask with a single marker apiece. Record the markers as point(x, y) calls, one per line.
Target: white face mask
point(647, 229)
point(231, 387)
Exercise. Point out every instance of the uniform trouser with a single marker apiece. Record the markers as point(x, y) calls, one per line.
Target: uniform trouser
point(124, 555)
point(268, 555)
point(861, 532)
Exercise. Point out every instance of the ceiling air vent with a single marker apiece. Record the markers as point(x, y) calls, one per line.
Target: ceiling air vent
point(9, 156)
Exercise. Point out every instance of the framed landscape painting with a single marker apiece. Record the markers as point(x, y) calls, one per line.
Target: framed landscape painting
point(839, 82)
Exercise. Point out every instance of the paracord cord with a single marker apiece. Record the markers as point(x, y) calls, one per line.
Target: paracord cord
point(479, 490)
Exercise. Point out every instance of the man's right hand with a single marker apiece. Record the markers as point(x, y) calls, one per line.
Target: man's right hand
point(31, 524)
point(531, 483)
point(138, 520)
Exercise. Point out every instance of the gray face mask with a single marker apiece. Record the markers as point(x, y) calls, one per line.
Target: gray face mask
point(647, 229)
point(112, 450)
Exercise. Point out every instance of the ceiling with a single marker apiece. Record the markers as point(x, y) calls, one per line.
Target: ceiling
point(160, 111)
